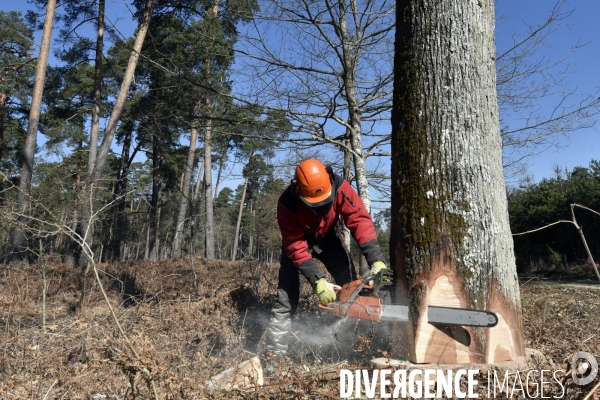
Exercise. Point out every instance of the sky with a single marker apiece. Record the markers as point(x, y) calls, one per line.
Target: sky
point(513, 16)
point(581, 27)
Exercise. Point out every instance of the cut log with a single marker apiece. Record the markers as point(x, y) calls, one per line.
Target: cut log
point(245, 375)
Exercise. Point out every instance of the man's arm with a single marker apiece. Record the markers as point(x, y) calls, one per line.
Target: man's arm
point(361, 226)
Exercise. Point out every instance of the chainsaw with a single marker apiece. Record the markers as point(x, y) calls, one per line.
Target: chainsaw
point(364, 299)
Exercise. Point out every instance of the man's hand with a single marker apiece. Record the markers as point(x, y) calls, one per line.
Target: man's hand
point(376, 269)
point(326, 291)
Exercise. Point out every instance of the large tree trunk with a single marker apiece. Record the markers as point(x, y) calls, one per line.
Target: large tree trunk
point(451, 242)
point(187, 178)
point(84, 228)
point(19, 240)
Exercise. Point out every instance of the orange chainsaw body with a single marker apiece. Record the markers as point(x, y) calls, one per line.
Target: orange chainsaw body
point(352, 304)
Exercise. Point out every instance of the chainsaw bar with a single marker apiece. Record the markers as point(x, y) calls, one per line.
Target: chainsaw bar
point(443, 315)
point(363, 299)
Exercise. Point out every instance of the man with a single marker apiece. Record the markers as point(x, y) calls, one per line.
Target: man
point(309, 213)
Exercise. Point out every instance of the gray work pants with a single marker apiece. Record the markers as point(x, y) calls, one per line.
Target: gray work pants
point(334, 254)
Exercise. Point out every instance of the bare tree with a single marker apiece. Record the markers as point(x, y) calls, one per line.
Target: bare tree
point(451, 241)
point(19, 240)
point(527, 78)
point(330, 71)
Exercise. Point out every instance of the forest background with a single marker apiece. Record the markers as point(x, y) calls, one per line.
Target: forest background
point(268, 104)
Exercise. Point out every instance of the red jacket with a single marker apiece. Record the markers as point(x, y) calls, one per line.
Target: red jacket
point(301, 228)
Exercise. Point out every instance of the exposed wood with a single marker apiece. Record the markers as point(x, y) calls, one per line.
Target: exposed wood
point(246, 375)
point(451, 242)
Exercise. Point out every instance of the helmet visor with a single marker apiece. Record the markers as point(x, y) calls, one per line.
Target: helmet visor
point(321, 207)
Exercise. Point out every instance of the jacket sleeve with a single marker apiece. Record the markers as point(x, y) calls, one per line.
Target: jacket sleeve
point(361, 226)
point(295, 245)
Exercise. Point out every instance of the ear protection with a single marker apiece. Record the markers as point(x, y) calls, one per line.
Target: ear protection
point(295, 189)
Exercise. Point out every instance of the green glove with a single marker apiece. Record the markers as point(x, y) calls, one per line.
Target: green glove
point(325, 291)
point(376, 268)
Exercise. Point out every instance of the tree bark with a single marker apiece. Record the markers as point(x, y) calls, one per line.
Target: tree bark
point(97, 98)
point(199, 180)
point(24, 196)
point(239, 222)
point(3, 99)
point(451, 242)
point(153, 242)
point(208, 192)
point(120, 191)
point(187, 178)
point(208, 197)
point(354, 129)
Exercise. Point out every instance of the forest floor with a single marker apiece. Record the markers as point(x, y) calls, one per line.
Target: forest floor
point(183, 336)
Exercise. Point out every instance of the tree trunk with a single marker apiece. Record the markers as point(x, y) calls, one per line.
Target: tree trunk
point(451, 242)
point(353, 128)
point(3, 99)
point(93, 148)
point(347, 171)
point(239, 222)
point(198, 181)
point(19, 240)
point(208, 197)
point(187, 178)
point(120, 192)
point(111, 127)
point(71, 251)
point(221, 162)
point(208, 192)
point(154, 214)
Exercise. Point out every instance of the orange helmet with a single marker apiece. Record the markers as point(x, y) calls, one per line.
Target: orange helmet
point(313, 182)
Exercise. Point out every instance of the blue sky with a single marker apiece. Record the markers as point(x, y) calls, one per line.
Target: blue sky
point(580, 27)
point(513, 17)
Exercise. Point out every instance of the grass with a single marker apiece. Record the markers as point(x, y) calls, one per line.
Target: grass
point(184, 337)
